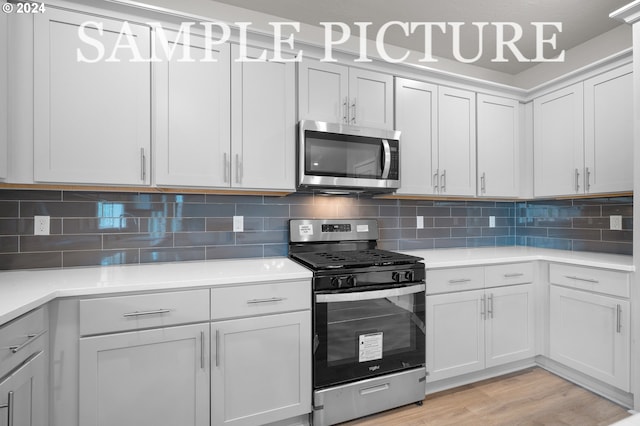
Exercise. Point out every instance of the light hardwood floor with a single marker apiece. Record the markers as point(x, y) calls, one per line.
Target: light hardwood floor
point(531, 397)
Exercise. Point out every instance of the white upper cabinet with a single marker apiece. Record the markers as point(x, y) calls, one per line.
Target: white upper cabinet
point(455, 157)
point(92, 120)
point(417, 121)
point(339, 94)
point(608, 133)
point(263, 126)
point(498, 146)
point(583, 137)
point(192, 116)
point(4, 106)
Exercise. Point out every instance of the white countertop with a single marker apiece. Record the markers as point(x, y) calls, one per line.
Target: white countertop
point(24, 290)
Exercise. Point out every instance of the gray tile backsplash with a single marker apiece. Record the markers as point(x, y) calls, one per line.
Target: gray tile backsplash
point(103, 228)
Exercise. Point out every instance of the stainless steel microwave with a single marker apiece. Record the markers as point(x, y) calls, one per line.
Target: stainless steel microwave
point(337, 158)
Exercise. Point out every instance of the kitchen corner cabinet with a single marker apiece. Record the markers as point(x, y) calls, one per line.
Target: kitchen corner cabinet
point(590, 322)
point(454, 159)
point(583, 137)
point(261, 356)
point(139, 366)
point(339, 94)
point(498, 146)
point(470, 327)
point(417, 120)
point(91, 120)
point(202, 141)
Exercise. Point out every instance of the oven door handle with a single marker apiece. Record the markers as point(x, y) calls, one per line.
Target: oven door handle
point(354, 296)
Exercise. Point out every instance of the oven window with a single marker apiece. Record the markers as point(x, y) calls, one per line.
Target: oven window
point(358, 339)
point(348, 156)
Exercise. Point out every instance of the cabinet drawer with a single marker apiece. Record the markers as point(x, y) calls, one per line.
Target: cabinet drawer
point(259, 299)
point(456, 279)
point(513, 273)
point(615, 283)
point(119, 313)
point(22, 337)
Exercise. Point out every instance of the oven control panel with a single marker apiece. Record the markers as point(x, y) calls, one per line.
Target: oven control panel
point(393, 275)
point(337, 227)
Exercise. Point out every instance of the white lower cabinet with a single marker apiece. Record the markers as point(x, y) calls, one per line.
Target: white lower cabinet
point(261, 369)
point(590, 333)
point(472, 330)
point(23, 394)
point(154, 377)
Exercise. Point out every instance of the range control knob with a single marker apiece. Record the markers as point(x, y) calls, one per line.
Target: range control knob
point(408, 275)
point(352, 281)
point(336, 282)
point(396, 276)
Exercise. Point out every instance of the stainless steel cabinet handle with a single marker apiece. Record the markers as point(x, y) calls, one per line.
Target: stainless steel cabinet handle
point(577, 180)
point(202, 350)
point(490, 310)
point(9, 407)
point(459, 281)
point(30, 339)
point(345, 110)
point(588, 280)
point(143, 313)
point(143, 165)
point(225, 168)
point(436, 184)
point(238, 169)
point(514, 275)
point(483, 180)
point(443, 181)
point(353, 114)
point(483, 308)
point(587, 179)
point(269, 300)
point(217, 348)
point(618, 318)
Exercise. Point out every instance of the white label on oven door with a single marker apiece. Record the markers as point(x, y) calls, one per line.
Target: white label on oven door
point(306, 229)
point(362, 228)
point(370, 347)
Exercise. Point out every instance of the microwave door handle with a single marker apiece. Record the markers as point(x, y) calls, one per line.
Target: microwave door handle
point(386, 158)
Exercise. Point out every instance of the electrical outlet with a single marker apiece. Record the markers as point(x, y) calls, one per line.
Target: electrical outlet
point(419, 222)
point(492, 221)
point(615, 222)
point(238, 223)
point(41, 225)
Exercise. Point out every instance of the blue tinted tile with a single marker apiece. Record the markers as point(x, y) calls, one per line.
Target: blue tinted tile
point(9, 244)
point(450, 243)
point(30, 194)
point(122, 241)
point(422, 244)
point(30, 260)
point(205, 210)
point(100, 257)
point(9, 209)
point(186, 239)
point(172, 254)
point(59, 242)
point(271, 250)
point(265, 237)
point(262, 210)
point(233, 252)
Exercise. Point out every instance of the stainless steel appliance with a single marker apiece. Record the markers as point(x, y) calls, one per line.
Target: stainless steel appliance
point(339, 158)
point(368, 319)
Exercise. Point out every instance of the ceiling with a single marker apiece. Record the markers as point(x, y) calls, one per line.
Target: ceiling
point(581, 20)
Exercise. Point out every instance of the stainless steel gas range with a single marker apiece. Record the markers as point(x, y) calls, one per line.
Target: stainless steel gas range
point(368, 319)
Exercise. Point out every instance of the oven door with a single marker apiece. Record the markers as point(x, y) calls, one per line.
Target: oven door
point(368, 333)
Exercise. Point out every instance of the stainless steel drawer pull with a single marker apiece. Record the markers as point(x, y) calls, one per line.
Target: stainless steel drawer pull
point(483, 307)
point(490, 309)
point(143, 313)
point(202, 350)
point(217, 348)
point(30, 339)
point(588, 280)
point(460, 281)
point(9, 406)
point(514, 275)
point(269, 300)
point(375, 389)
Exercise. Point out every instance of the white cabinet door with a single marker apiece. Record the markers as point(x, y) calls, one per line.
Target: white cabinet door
point(455, 334)
point(264, 124)
point(371, 99)
point(608, 134)
point(590, 332)
point(417, 121)
point(4, 101)
point(558, 142)
point(498, 146)
point(154, 377)
point(24, 393)
point(456, 142)
point(323, 92)
point(92, 120)
point(339, 94)
point(192, 117)
point(261, 369)
point(510, 324)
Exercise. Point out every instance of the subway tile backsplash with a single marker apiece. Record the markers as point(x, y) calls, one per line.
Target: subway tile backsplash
point(96, 228)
